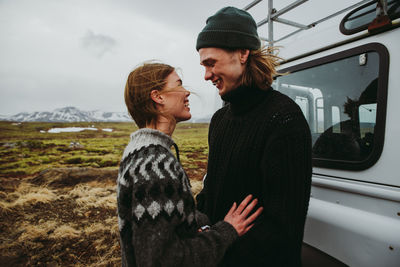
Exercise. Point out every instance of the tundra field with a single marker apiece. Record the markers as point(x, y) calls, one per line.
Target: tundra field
point(57, 190)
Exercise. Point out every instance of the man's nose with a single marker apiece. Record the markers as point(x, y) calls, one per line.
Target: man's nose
point(207, 75)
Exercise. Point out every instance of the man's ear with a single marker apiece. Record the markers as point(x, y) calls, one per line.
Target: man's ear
point(157, 97)
point(244, 55)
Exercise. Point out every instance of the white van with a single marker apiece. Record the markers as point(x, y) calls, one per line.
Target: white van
point(344, 72)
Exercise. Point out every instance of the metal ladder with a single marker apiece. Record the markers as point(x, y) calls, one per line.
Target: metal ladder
point(274, 16)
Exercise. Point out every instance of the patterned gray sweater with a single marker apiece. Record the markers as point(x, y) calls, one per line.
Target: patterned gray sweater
point(157, 217)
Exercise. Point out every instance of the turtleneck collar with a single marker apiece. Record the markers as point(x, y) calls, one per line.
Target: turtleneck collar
point(243, 98)
point(144, 137)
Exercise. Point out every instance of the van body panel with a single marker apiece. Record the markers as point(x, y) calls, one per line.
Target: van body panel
point(354, 215)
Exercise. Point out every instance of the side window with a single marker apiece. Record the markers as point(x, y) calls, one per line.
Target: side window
point(343, 97)
point(303, 104)
point(359, 18)
point(336, 119)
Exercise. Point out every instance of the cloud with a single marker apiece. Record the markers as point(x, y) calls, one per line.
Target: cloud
point(98, 44)
point(79, 53)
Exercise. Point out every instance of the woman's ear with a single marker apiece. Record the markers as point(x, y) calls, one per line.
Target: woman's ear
point(244, 55)
point(157, 97)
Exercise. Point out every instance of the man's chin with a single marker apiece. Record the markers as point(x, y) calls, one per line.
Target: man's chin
point(221, 92)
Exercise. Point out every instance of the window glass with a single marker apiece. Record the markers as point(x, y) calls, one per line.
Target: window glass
point(303, 104)
point(319, 120)
point(359, 18)
point(339, 100)
point(336, 119)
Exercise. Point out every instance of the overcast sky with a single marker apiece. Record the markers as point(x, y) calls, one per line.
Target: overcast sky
point(57, 53)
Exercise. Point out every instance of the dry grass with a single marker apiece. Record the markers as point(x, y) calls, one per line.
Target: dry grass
point(65, 232)
point(197, 186)
point(73, 226)
point(58, 225)
point(25, 194)
point(66, 215)
point(35, 232)
point(90, 196)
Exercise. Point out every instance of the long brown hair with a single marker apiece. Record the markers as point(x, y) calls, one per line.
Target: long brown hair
point(261, 68)
point(141, 81)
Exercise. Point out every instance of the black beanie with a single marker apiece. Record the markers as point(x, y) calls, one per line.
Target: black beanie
point(230, 28)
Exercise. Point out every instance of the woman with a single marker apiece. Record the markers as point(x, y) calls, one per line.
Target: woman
point(158, 221)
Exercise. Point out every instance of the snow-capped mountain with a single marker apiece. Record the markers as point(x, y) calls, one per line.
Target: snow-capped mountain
point(69, 114)
point(3, 118)
point(109, 116)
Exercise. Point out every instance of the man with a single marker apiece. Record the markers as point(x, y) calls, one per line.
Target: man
point(259, 143)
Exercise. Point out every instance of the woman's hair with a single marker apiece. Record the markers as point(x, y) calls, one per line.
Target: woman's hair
point(260, 69)
point(141, 81)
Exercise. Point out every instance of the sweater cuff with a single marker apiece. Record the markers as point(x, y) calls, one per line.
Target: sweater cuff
point(201, 219)
point(226, 230)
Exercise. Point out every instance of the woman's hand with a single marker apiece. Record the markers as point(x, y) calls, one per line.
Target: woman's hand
point(237, 216)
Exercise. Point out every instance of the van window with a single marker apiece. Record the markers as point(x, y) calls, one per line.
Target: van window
point(359, 18)
point(342, 96)
point(336, 119)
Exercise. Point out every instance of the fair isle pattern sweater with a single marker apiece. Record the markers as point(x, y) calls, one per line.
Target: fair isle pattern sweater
point(157, 217)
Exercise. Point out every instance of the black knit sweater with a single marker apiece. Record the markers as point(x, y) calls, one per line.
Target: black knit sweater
point(260, 144)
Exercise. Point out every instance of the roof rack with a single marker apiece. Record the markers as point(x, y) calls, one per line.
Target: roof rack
point(274, 16)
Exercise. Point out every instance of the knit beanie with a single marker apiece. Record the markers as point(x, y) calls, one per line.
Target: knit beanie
point(231, 28)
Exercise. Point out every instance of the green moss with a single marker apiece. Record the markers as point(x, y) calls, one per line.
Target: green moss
point(73, 160)
point(25, 150)
point(108, 163)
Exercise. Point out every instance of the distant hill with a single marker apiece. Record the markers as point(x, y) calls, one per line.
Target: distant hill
point(72, 114)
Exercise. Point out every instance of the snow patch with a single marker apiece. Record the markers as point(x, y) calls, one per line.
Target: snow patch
point(70, 129)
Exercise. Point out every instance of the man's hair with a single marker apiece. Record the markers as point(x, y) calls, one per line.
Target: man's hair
point(260, 68)
point(141, 81)
point(368, 96)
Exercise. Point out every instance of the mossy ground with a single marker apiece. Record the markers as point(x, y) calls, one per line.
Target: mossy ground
point(58, 199)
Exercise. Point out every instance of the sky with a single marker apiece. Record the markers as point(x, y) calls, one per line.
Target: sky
point(58, 53)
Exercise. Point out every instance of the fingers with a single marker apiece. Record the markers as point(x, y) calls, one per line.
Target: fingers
point(248, 228)
point(244, 204)
point(230, 213)
point(233, 208)
point(251, 218)
point(237, 215)
point(249, 208)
